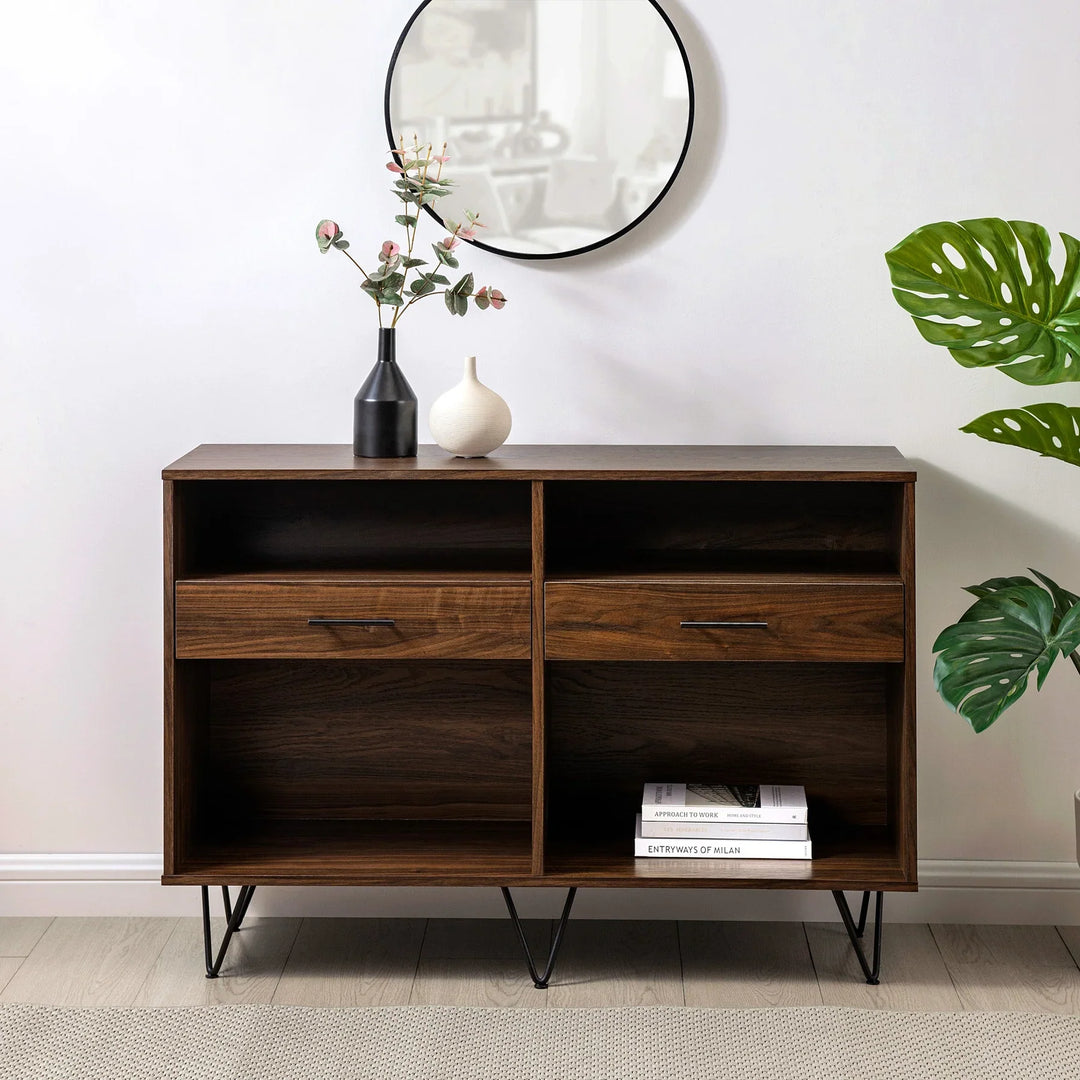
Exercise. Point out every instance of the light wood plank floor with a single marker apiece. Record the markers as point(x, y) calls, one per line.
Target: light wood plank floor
point(157, 962)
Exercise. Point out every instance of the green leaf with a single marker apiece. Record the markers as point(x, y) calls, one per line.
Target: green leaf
point(456, 304)
point(444, 256)
point(393, 283)
point(381, 274)
point(438, 279)
point(1049, 429)
point(464, 286)
point(408, 220)
point(997, 584)
point(391, 298)
point(410, 263)
point(341, 245)
point(482, 302)
point(994, 315)
point(422, 286)
point(986, 658)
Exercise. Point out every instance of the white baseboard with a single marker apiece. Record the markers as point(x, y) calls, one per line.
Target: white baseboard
point(970, 891)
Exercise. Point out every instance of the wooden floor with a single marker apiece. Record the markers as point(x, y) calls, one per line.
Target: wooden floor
point(341, 962)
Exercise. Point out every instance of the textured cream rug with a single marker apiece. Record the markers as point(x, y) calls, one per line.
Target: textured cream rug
point(265, 1042)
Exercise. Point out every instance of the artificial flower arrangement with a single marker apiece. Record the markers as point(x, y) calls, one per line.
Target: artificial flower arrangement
point(419, 183)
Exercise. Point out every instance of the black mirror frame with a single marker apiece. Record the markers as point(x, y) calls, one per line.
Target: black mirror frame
point(599, 243)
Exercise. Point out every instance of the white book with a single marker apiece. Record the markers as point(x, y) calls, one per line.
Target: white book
point(718, 849)
point(723, 830)
point(775, 803)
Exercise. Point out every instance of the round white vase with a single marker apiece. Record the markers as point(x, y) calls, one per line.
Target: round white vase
point(469, 420)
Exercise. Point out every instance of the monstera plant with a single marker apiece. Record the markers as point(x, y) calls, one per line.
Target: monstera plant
point(986, 290)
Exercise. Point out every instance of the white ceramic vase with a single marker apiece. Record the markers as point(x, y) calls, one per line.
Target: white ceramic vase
point(470, 420)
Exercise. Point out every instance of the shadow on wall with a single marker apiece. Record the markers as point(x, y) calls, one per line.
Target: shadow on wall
point(695, 176)
point(966, 534)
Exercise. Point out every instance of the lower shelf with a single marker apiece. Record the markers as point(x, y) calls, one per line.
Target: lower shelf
point(495, 853)
point(861, 859)
point(361, 853)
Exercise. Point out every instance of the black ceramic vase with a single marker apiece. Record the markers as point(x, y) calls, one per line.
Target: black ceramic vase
point(384, 410)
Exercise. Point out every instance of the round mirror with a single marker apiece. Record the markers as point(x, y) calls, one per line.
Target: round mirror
point(566, 121)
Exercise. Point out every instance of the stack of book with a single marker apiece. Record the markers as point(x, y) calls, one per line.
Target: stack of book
point(723, 821)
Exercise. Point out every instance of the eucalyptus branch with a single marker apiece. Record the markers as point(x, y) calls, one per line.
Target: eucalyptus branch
point(419, 185)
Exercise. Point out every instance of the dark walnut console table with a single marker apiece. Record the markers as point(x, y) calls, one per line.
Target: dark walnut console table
point(436, 671)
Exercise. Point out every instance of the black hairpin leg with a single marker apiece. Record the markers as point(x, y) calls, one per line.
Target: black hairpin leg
point(540, 981)
point(855, 932)
point(234, 918)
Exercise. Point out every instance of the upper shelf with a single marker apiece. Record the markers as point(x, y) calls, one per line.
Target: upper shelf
point(336, 462)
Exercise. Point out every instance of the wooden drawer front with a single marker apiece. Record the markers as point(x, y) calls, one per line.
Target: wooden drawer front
point(643, 621)
point(267, 620)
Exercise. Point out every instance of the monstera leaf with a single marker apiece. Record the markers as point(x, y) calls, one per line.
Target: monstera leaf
point(985, 660)
point(985, 289)
point(1050, 429)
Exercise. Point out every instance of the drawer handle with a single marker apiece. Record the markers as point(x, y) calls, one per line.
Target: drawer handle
point(688, 625)
point(350, 622)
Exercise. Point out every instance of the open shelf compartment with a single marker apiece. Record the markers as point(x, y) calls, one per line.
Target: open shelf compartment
point(355, 770)
point(615, 726)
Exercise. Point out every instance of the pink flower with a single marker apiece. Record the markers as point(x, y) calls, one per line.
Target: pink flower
point(326, 232)
point(441, 160)
point(467, 234)
point(450, 243)
point(388, 251)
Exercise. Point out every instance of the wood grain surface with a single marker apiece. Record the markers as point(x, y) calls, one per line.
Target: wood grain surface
point(1026, 968)
point(320, 461)
point(90, 962)
point(225, 619)
point(642, 620)
point(914, 975)
point(341, 739)
point(761, 965)
point(249, 975)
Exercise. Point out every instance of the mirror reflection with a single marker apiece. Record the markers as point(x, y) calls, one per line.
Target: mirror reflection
point(565, 120)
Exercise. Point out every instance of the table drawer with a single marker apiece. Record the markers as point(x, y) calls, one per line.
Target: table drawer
point(352, 620)
point(651, 620)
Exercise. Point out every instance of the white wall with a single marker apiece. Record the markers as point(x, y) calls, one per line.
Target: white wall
point(163, 168)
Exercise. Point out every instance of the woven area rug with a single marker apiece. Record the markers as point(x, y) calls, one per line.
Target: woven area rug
point(265, 1042)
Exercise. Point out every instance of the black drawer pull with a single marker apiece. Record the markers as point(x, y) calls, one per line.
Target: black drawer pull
point(350, 622)
point(688, 625)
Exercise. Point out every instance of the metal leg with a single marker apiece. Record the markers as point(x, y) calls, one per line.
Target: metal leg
point(235, 917)
point(855, 932)
point(540, 981)
point(227, 900)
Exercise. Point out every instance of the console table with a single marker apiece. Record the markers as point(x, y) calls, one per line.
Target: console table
point(446, 671)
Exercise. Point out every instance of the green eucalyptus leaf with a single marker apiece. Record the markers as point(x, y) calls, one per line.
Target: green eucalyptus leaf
point(422, 286)
point(410, 263)
point(966, 287)
point(391, 298)
point(438, 279)
point(465, 285)
point(1049, 429)
point(408, 220)
point(482, 302)
point(342, 245)
point(451, 261)
point(448, 300)
point(393, 283)
point(461, 304)
point(985, 660)
point(379, 275)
